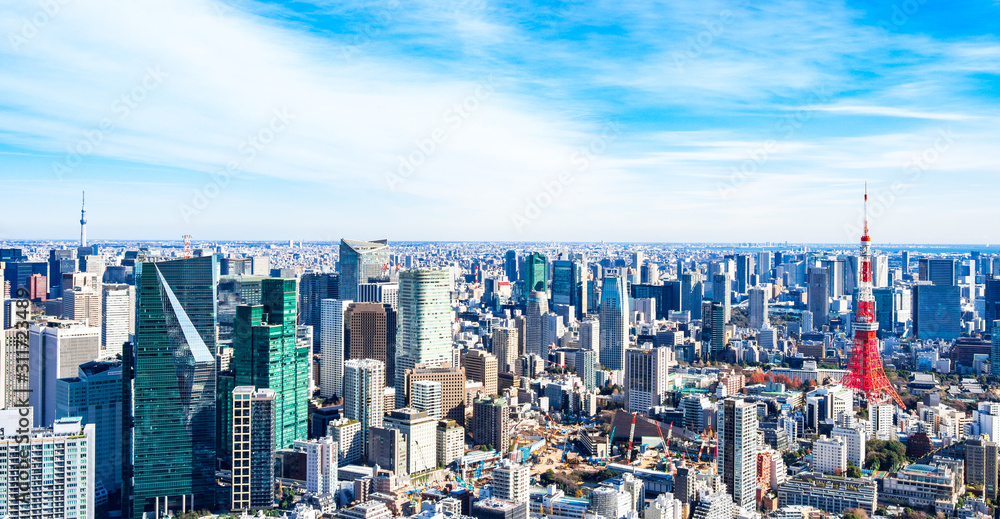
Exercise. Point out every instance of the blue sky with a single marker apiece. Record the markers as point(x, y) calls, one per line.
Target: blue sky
point(682, 121)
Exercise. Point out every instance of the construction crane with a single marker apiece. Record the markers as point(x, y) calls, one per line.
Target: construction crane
point(631, 437)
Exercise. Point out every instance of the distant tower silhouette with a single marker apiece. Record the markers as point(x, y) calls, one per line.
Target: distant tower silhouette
point(83, 220)
point(865, 373)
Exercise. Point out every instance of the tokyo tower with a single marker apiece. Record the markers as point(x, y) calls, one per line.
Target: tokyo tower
point(865, 374)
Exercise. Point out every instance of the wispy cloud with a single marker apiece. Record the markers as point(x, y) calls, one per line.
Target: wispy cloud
point(698, 86)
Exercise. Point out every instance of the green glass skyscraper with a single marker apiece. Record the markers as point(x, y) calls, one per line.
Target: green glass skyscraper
point(265, 356)
point(169, 408)
point(536, 273)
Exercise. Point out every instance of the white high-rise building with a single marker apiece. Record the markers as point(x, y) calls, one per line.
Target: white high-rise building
point(59, 462)
point(614, 320)
point(427, 397)
point(364, 395)
point(586, 368)
point(738, 447)
point(854, 443)
point(420, 437)
point(347, 434)
point(664, 507)
point(321, 465)
point(511, 481)
point(647, 373)
point(759, 296)
point(56, 349)
point(504, 340)
point(534, 322)
point(253, 444)
point(331, 351)
point(83, 303)
point(590, 334)
point(450, 442)
point(880, 422)
point(425, 318)
point(830, 455)
point(117, 317)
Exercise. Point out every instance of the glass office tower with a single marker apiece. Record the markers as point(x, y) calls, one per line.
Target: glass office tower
point(171, 401)
point(265, 355)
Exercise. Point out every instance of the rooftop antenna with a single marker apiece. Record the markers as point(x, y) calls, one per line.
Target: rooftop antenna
point(866, 208)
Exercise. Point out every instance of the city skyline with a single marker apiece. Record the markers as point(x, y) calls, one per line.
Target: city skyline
point(818, 102)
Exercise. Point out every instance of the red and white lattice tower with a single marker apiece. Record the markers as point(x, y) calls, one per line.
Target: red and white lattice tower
point(865, 374)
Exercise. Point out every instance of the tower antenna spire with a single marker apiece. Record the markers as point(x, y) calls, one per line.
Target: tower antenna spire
point(83, 219)
point(866, 208)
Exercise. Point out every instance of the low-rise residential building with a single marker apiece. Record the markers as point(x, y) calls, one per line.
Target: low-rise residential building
point(829, 493)
point(919, 486)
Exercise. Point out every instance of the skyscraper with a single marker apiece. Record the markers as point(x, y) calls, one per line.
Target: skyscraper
point(722, 292)
point(536, 273)
point(419, 437)
point(738, 448)
point(427, 397)
point(568, 285)
point(510, 265)
point(819, 296)
point(482, 367)
point(586, 368)
point(372, 334)
point(504, 342)
point(765, 262)
point(425, 318)
point(744, 268)
point(175, 341)
point(758, 306)
point(56, 349)
point(491, 423)
point(937, 311)
point(511, 481)
point(452, 380)
point(646, 376)
point(314, 287)
point(331, 356)
point(590, 333)
point(614, 321)
point(940, 272)
point(266, 356)
point(254, 442)
point(95, 395)
point(362, 262)
point(693, 292)
point(534, 323)
point(364, 395)
point(117, 317)
point(83, 304)
point(321, 466)
point(60, 464)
